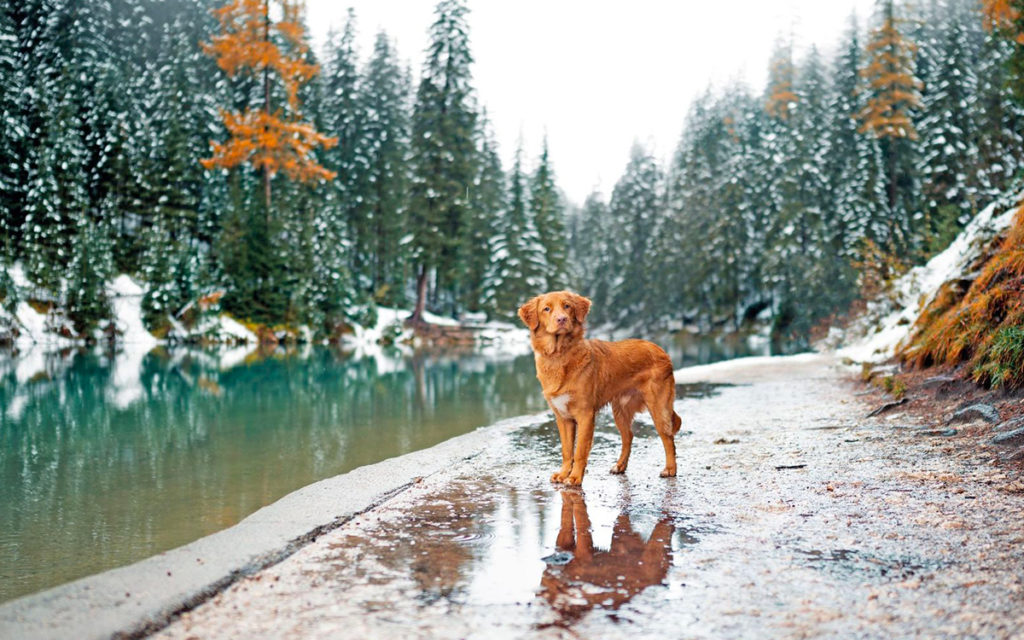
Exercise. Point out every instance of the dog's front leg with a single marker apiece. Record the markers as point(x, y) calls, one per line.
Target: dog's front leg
point(584, 440)
point(567, 432)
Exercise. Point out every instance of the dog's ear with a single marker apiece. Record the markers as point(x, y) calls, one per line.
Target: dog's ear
point(580, 307)
point(528, 314)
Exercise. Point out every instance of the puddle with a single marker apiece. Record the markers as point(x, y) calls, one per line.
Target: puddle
point(582, 576)
point(699, 390)
point(846, 563)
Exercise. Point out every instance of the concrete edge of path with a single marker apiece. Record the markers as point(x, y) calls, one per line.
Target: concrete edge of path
point(140, 598)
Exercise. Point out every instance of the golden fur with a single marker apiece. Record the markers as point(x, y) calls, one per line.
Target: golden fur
point(579, 376)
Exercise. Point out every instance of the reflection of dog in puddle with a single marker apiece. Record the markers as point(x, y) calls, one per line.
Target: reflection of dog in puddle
point(579, 578)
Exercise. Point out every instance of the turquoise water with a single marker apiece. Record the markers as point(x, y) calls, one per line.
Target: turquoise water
point(105, 460)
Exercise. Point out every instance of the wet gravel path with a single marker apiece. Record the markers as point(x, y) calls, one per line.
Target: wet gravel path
point(793, 516)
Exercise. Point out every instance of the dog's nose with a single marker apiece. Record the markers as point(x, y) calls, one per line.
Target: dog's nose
point(562, 319)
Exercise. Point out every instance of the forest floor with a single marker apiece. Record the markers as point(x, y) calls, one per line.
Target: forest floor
point(794, 515)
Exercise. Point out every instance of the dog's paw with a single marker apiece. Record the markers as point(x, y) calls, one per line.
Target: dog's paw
point(559, 476)
point(668, 473)
point(618, 468)
point(574, 479)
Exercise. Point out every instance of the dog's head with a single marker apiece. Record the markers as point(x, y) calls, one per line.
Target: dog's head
point(556, 313)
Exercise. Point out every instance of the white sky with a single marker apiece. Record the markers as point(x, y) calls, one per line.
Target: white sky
point(598, 75)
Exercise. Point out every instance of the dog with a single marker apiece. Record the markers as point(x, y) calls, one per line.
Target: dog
point(579, 376)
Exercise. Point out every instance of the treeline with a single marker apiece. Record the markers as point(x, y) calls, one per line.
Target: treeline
point(781, 203)
point(775, 204)
point(108, 106)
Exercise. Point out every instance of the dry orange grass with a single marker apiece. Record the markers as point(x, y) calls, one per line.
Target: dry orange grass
point(983, 325)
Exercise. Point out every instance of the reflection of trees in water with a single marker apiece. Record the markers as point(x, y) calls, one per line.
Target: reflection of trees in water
point(97, 486)
point(603, 578)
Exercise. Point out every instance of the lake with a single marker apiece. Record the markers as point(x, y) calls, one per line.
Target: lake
point(106, 459)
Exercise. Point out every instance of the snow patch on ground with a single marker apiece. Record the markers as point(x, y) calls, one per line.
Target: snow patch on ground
point(503, 338)
point(231, 328)
point(725, 368)
point(219, 328)
point(390, 322)
point(887, 322)
point(126, 296)
point(493, 338)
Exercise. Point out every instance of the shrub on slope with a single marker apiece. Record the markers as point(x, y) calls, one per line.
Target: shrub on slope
point(979, 322)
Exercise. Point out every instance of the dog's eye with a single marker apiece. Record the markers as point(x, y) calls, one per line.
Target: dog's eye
point(565, 306)
point(546, 309)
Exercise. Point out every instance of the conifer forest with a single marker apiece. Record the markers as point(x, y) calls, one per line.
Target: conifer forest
point(206, 149)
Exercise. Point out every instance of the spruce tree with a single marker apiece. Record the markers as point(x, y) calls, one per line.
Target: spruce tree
point(12, 129)
point(56, 199)
point(88, 271)
point(590, 239)
point(998, 117)
point(487, 206)
point(443, 157)
point(517, 266)
point(343, 113)
point(634, 207)
point(855, 171)
point(949, 151)
point(549, 213)
point(384, 95)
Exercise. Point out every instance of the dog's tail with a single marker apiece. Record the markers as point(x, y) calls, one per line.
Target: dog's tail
point(677, 422)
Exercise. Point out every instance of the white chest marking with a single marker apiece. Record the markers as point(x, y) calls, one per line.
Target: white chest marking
point(561, 404)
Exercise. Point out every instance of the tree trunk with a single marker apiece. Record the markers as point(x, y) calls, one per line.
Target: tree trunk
point(421, 296)
point(266, 106)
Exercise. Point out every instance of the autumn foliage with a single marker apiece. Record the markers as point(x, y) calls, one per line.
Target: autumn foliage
point(894, 89)
point(982, 322)
point(781, 96)
point(270, 140)
point(1002, 15)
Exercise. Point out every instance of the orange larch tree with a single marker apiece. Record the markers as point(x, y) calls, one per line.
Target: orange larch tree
point(270, 139)
point(1006, 17)
point(781, 96)
point(1002, 15)
point(893, 93)
point(890, 76)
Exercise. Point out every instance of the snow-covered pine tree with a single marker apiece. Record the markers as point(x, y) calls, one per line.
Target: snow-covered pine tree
point(385, 95)
point(517, 266)
point(488, 205)
point(686, 233)
point(343, 113)
point(818, 292)
point(998, 116)
point(636, 203)
point(57, 197)
point(788, 231)
point(856, 175)
point(1006, 17)
point(949, 152)
point(12, 130)
point(549, 213)
point(591, 241)
point(90, 267)
point(443, 157)
point(37, 60)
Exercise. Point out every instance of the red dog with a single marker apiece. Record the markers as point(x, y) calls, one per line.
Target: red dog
point(580, 376)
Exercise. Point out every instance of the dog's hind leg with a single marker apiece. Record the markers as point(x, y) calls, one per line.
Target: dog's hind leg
point(623, 411)
point(659, 397)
